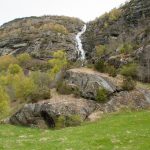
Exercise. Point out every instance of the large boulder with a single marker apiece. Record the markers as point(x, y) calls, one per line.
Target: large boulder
point(45, 114)
point(88, 82)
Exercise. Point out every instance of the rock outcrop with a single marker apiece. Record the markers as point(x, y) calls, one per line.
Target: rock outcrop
point(88, 81)
point(40, 36)
point(127, 26)
point(45, 114)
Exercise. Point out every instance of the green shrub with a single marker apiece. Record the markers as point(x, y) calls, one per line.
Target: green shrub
point(5, 61)
point(58, 63)
point(40, 94)
point(102, 95)
point(24, 59)
point(128, 84)
point(73, 120)
point(111, 70)
point(14, 69)
point(42, 82)
point(67, 121)
point(63, 88)
point(129, 70)
point(100, 66)
point(4, 102)
point(60, 122)
point(100, 50)
point(24, 87)
point(126, 48)
point(114, 14)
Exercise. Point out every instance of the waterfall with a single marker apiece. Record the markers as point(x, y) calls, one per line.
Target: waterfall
point(81, 52)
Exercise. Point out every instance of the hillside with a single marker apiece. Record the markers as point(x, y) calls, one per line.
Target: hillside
point(58, 72)
point(129, 131)
point(40, 36)
point(121, 36)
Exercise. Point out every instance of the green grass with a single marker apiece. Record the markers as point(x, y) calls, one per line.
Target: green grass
point(124, 131)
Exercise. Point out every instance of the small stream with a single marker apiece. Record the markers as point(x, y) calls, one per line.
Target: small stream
point(81, 52)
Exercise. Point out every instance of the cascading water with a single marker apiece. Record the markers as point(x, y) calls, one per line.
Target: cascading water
point(81, 52)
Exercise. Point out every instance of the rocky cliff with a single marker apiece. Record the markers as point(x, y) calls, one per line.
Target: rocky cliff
point(40, 36)
point(123, 33)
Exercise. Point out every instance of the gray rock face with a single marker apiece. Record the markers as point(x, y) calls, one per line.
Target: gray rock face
point(45, 114)
point(40, 36)
point(132, 26)
point(89, 81)
point(143, 55)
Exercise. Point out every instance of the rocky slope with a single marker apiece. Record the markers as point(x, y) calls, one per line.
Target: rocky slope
point(127, 27)
point(40, 36)
point(47, 113)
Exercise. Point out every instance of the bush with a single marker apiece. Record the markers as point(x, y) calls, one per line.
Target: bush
point(24, 87)
point(63, 88)
point(24, 59)
point(100, 66)
point(60, 122)
point(54, 27)
point(5, 61)
point(114, 14)
point(129, 70)
point(102, 95)
point(58, 63)
point(40, 94)
point(128, 84)
point(111, 70)
point(14, 69)
point(67, 121)
point(42, 83)
point(126, 48)
point(100, 50)
point(73, 120)
point(4, 102)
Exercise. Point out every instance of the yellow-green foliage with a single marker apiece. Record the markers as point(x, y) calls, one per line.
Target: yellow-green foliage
point(114, 14)
point(14, 69)
point(128, 84)
point(5, 61)
point(24, 59)
point(42, 82)
point(23, 86)
point(66, 121)
point(126, 48)
point(4, 102)
point(129, 70)
point(100, 66)
point(102, 95)
point(60, 122)
point(58, 62)
point(100, 50)
point(54, 27)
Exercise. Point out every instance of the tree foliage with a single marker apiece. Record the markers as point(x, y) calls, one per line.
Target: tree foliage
point(5, 61)
point(58, 63)
point(4, 102)
point(24, 59)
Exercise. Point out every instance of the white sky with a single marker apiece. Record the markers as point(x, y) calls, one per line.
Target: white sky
point(84, 9)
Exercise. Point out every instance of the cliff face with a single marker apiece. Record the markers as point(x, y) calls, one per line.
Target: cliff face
point(40, 36)
point(127, 27)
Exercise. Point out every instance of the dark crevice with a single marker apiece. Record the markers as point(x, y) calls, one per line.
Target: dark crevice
point(48, 119)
